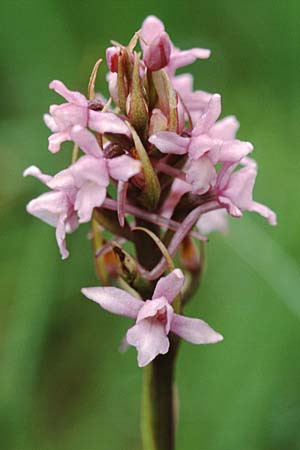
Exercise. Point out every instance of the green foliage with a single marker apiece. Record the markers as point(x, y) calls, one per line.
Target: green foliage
point(63, 383)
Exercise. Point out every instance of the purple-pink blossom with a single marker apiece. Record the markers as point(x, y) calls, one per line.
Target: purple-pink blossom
point(155, 318)
point(76, 111)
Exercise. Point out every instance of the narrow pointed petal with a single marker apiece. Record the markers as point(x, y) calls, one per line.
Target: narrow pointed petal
point(195, 331)
point(70, 96)
point(114, 300)
point(169, 286)
point(34, 171)
point(170, 142)
point(86, 141)
point(150, 340)
point(123, 167)
point(61, 236)
point(106, 122)
point(264, 211)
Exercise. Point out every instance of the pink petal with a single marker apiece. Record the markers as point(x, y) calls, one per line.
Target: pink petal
point(181, 58)
point(114, 300)
point(234, 150)
point(50, 122)
point(106, 122)
point(201, 174)
point(35, 172)
point(225, 129)
point(48, 207)
point(150, 340)
point(88, 168)
point(123, 167)
point(264, 211)
point(70, 96)
point(232, 209)
point(86, 141)
point(170, 142)
point(56, 139)
point(151, 308)
point(61, 236)
point(89, 196)
point(169, 286)
point(201, 144)
point(62, 181)
point(67, 115)
point(195, 331)
point(210, 115)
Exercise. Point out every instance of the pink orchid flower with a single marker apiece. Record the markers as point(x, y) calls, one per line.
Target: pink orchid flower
point(64, 117)
point(89, 175)
point(159, 52)
point(235, 190)
point(210, 142)
point(55, 208)
point(155, 318)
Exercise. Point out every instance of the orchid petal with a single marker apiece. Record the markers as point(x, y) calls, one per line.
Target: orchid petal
point(61, 235)
point(88, 168)
point(209, 116)
point(201, 174)
point(34, 171)
point(50, 122)
point(152, 308)
point(169, 286)
point(89, 196)
point(225, 129)
point(234, 150)
point(106, 122)
point(114, 300)
point(47, 207)
point(123, 167)
point(193, 330)
point(70, 96)
point(150, 340)
point(56, 139)
point(86, 141)
point(170, 142)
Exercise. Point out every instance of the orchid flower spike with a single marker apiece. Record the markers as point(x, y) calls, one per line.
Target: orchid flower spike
point(155, 318)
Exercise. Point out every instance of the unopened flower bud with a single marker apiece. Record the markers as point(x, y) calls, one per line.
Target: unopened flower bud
point(112, 55)
point(157, 52)
point(189, 254)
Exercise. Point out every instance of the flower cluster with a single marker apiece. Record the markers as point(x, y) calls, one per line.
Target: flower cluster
point(176, 168)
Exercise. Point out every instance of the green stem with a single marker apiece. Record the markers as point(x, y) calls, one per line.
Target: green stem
point(158, 407)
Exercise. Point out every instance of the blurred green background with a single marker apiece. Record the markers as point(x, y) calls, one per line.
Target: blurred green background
point(63, 383)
